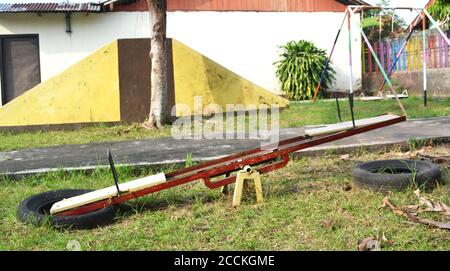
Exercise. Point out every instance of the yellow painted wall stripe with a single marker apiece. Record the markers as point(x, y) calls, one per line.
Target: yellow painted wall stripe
point(197, 75)
point(86, 92)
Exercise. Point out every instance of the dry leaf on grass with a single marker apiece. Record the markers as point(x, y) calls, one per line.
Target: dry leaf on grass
point(437, 224)
point(387, 203)
point(412, 215)
point(445, 160)
point(432, 206)
point(384, 240)
point(329, 224)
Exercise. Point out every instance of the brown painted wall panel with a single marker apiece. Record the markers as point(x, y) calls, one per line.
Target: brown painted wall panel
point(242, 5)
point(134, 77)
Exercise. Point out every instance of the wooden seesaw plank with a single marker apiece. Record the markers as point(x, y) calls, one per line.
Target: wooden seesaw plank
point(343, 126)
point(106, 193)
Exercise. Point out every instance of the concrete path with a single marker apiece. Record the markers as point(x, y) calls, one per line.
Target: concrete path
point(161, 151)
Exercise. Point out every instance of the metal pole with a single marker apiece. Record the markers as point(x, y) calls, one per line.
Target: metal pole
point(383, 72)
point(114, 172)
point(316, 92)
point(338, 107)
point(424, 63)
point(350, 97)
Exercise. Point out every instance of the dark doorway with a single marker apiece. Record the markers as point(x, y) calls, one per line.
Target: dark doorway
point(19, 65)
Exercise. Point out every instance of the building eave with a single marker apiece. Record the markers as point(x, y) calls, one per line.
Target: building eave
point(353, 2)
point(50, 7)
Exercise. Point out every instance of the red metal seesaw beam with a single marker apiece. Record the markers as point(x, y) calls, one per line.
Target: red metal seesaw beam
point(234, 156)
point(232, 163)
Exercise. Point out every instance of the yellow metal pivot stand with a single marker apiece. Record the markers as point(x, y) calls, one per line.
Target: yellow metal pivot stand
point(247, 174)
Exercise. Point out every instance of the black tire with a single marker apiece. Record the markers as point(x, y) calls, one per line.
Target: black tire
point(385, 175)
point(36, 210)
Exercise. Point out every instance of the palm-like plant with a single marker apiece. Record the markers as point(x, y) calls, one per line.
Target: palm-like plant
point(299, 68)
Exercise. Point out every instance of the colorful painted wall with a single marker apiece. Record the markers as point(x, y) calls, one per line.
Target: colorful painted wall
point(411, 58)
point(113, 85)
point(407, 71)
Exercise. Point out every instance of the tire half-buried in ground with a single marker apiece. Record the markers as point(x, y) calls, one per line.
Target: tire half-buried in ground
point(36, 210)
point(385, 175)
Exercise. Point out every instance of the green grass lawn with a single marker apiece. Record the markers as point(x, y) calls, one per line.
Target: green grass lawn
point(324, 112)
point(298, 114)
point(99, 133)
point(306, 208)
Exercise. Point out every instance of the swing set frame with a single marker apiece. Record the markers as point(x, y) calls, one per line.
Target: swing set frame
point(352, 10)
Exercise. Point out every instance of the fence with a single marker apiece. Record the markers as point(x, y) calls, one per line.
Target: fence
point(411, 59)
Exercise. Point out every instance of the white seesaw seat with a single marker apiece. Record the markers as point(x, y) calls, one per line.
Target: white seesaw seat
point(364, 98)
point(106, 193)
point(343, 126)
point(369, 98)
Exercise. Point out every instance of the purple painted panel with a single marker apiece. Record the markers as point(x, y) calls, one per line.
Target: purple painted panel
point(388, 57)
point(446, 53)
point(405, 54)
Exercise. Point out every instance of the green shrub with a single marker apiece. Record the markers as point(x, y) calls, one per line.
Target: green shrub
point(299, 69)
point(440, 11)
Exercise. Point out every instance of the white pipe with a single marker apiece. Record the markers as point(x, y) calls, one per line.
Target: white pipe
point(436, 25)
point(350, 50)
point(424, 61)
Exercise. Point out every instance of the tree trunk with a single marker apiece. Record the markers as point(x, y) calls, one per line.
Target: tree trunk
point(159, 111)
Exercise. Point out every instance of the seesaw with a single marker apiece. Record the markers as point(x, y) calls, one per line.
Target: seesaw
point(248, 165)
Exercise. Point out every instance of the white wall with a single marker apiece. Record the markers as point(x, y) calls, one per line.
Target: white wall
point(58, 49)
point(247, 42)
point(244, 42)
